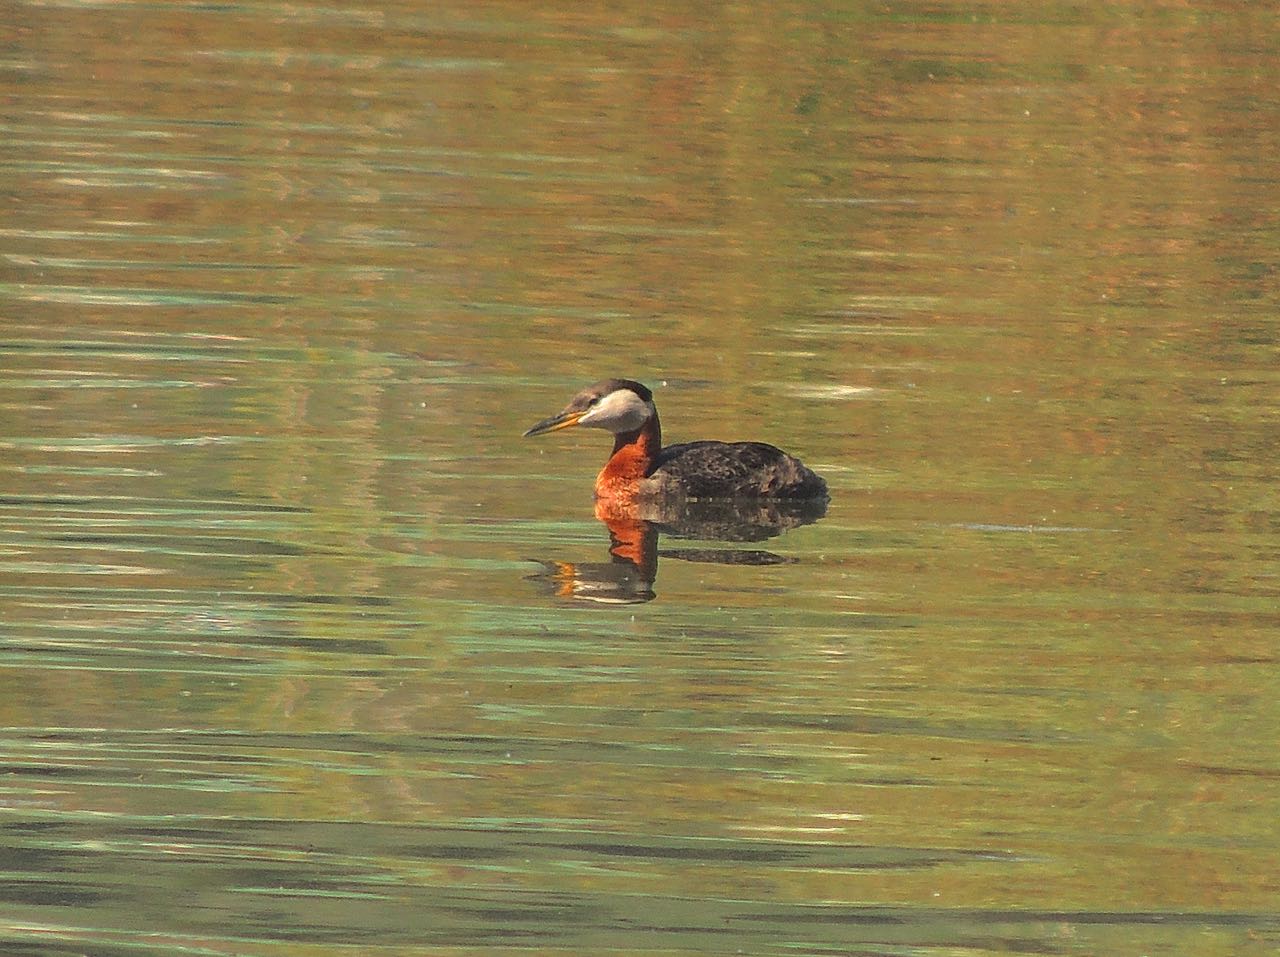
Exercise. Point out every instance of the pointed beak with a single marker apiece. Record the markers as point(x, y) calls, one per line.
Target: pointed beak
point(562, 420)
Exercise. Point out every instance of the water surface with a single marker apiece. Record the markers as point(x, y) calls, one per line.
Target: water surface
point(293, 661)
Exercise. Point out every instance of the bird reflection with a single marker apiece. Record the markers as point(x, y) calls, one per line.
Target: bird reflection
point(628, 577)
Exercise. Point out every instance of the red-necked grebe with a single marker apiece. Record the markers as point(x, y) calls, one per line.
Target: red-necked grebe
point(641, 469)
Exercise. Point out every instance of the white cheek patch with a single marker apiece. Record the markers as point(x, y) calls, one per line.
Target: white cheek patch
point(621, 411)
point(632, 415)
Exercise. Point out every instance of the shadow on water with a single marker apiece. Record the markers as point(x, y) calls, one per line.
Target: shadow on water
point(628, 577)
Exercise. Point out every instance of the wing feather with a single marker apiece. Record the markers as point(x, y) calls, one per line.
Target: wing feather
point(733, 470)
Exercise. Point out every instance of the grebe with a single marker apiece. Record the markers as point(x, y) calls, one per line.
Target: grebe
point(641, 470)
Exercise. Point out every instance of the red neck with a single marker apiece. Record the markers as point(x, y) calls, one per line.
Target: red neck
point(633, 456)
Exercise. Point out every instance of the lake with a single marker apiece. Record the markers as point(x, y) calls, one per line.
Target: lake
point(305, 651)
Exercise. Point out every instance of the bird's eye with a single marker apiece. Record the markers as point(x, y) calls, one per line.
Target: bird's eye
point(594, 400)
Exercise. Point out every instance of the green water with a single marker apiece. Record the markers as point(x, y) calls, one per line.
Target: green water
point(304, 651)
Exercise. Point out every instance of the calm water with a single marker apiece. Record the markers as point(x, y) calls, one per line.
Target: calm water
point(306, 652)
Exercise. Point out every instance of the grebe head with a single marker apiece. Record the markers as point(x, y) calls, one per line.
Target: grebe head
point(615, 405)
